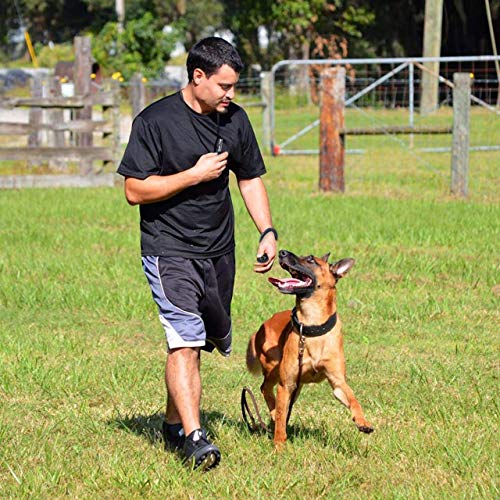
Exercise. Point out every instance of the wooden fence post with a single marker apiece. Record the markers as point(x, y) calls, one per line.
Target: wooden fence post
point(461, 130)
point(111, 115)
point(331, 154)
point(429, 97)
point(137, 94)
point(265, 93)
point(81, 74)
point(35, 117)
point(56, 116)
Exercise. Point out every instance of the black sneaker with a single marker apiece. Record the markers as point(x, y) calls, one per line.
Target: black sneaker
point(223, 345)
point(173, 436)
point(199, 452)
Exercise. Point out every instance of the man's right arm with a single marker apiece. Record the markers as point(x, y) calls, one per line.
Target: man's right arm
point(162, 187)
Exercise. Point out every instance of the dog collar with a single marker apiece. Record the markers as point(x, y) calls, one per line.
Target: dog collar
point(313, 330)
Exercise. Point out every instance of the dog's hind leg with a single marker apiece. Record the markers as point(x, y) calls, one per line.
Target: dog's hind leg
point(345, 395)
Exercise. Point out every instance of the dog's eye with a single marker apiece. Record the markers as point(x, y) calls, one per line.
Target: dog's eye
point(310, 259)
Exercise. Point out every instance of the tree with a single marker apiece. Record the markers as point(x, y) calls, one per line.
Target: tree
point(296, 28)
point(142, 46)
point(200, 18)
point(47, 20)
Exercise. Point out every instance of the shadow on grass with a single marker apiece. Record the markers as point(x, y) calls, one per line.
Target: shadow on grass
point(149, 428)
point(146, 426)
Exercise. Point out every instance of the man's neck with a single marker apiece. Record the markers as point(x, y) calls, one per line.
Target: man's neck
point(190, 99)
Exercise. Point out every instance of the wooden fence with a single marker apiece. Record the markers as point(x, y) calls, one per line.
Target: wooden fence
point(70, 134)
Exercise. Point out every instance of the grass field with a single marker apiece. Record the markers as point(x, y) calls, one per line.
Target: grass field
point(82, 351)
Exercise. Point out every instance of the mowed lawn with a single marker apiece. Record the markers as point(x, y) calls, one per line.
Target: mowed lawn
point(82, 351)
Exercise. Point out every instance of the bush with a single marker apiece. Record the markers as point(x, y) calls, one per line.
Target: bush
point(48, 56)
point(141, 46)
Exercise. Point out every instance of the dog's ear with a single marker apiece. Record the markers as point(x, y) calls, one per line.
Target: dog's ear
point(341, 268)
point(326, 257)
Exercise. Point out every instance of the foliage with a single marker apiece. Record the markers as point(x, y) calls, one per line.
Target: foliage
point(194, 19)
point(202, 18)
point(53, 20)
point(141, 46)
point(296, 28)
point(49, 55)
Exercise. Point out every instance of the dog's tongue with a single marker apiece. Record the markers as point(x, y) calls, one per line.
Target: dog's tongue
point(288, 283)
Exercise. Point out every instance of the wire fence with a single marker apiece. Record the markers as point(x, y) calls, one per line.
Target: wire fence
point(383, 94)
point(389, 91)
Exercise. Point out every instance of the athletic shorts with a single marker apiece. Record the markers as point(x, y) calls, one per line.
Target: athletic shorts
point(193, 298)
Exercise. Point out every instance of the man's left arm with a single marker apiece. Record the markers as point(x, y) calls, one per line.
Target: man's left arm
point(255, 197)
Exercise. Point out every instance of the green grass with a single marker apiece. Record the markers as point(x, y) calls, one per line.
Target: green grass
point(484, 127)
point(393, 165)
point(82, 351)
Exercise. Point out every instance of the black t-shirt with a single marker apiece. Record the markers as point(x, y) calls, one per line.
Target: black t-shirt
point(168, 137)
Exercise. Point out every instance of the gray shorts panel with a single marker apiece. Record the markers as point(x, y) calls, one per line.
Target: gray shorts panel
point(182, 328)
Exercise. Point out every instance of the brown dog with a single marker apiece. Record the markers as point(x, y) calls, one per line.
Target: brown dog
point(312, 332)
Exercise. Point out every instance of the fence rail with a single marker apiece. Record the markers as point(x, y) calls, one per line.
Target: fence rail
point(64, 130)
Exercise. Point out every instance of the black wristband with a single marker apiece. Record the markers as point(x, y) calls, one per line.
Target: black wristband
point(267, 231)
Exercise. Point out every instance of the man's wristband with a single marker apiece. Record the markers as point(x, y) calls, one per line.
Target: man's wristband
point(267, 231)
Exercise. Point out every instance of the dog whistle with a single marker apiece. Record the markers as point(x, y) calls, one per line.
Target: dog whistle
point(218, 146)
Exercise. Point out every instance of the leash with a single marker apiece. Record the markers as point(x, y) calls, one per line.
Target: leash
point(253, 424)
point(257, 424)
point(307, 331)
point(302, 344)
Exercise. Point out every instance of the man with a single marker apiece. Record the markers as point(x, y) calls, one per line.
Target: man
point(176, 167)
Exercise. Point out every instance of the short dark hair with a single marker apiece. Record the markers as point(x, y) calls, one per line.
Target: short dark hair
point(210, 54)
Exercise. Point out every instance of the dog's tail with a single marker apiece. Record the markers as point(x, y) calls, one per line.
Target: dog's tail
point(253, 364)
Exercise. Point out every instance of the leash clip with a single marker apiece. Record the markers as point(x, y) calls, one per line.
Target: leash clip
point(302, 342)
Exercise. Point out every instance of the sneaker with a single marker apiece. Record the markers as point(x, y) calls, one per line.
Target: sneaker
point(173, 436)
point(223, 345)
point(199, 452)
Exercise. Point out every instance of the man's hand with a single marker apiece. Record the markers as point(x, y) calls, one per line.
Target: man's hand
point(267, 247)
point(162, 187)
point(209, 166)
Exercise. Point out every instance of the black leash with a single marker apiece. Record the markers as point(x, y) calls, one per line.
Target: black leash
point(253, 424)
point(307, 331)
point(256, 424)
point(302, 343)
point(303, 332)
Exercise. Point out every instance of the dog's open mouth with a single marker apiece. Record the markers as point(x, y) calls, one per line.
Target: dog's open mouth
point(294, 284)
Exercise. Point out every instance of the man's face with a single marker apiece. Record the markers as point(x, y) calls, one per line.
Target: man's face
point(214, 93)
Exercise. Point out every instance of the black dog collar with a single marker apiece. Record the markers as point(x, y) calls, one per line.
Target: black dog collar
point(313, 330)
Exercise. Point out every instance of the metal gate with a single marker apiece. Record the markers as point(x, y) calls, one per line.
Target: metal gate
point(382, 95)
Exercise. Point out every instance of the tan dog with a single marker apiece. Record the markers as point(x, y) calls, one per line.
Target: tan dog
point(275, 348)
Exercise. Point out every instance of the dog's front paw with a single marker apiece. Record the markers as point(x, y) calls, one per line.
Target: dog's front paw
point(363, 426)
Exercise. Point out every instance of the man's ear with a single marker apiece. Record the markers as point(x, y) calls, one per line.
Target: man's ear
point(198, 75)
point(341, 268)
